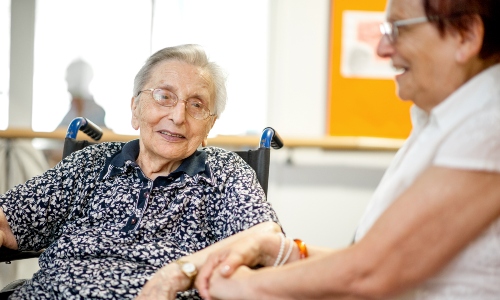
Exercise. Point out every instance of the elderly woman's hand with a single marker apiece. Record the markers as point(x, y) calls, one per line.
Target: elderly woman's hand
point(7, 238)
point(165, 284)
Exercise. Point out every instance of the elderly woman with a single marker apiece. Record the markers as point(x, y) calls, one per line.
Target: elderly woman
point(112, 214)
point(432, 228)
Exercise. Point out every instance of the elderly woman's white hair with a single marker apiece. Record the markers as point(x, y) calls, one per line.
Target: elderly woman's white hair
point(194, 55)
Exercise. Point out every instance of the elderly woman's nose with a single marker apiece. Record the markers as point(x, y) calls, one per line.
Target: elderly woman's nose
point(384, 47)
point(178, 112)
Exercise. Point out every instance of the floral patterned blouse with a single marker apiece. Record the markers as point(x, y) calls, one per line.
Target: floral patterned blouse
point(107, 228)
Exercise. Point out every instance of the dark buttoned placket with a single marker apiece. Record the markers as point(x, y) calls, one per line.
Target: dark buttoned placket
point(125, 162)
point(144, 197)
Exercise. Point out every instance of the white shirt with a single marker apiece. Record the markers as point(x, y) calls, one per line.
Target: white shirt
point(462, 132)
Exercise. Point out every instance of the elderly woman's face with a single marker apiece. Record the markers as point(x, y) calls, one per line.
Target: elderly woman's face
point(426, 60)
point(170, 133)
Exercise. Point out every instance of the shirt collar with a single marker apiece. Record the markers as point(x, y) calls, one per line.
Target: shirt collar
point(125, 159)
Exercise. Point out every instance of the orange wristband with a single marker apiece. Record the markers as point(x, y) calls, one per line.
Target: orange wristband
point(302, 248)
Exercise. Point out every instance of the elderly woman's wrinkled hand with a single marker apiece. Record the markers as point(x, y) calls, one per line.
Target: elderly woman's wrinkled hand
point(165, 284)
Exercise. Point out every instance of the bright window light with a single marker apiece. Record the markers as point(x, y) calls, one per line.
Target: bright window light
point(235, 35)
point(113, 36)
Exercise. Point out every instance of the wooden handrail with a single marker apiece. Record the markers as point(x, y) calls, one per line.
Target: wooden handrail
point(327, 142)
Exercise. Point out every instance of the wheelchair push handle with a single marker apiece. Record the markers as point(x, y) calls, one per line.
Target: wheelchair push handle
point(85, 125)
point(270, 138)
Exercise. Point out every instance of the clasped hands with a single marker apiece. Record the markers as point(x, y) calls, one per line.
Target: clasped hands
point(224, 272)
point(222, 267)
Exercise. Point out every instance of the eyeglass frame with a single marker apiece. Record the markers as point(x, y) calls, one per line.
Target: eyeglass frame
point(390, 29)
point(176, 101)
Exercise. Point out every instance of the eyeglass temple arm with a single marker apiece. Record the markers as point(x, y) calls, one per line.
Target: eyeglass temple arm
point(411, 21)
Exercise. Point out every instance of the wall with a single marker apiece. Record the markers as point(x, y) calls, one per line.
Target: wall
point(298, 66)
point(321, 195)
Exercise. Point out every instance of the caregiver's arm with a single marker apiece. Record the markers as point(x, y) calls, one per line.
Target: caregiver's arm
point(431, 222)
point(257, 249)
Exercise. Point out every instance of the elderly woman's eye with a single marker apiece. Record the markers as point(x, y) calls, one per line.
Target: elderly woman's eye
point(163, 96)
point(196, 105)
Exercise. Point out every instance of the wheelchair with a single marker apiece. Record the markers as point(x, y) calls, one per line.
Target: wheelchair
point(258, 159)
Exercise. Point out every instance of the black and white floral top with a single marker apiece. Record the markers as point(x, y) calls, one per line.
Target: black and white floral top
point(107, 228)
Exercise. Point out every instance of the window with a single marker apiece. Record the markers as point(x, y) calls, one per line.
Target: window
point(115, 37)
point(235, 35)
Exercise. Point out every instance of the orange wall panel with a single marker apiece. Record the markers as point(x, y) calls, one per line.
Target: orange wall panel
point(361, 106)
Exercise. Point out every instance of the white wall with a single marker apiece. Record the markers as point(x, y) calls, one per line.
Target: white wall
point(321, 195)
point(21, 63)
point(299, 39)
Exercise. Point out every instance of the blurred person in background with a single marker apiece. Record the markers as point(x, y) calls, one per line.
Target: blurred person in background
point(79, 74)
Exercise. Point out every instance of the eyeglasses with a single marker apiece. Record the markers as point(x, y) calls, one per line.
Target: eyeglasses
point(390, 29)
point(194, 107)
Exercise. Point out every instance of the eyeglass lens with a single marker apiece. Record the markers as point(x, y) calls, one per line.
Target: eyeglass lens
point(390, 30)
point(194, 108)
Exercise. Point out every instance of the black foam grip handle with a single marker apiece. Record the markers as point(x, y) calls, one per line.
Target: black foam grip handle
point(276, 142)
point(92, 130)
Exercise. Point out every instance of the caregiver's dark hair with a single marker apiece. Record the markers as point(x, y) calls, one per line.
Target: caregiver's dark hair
point(460, 14)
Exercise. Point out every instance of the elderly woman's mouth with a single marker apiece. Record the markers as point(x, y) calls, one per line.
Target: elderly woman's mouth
point(172, 134)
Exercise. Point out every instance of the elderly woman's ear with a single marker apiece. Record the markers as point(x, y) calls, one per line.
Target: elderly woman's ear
point(471, 40)
point(210, 125)
point(134, 109)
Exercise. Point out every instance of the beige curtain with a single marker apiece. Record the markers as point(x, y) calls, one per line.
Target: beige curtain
point(19, 161)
